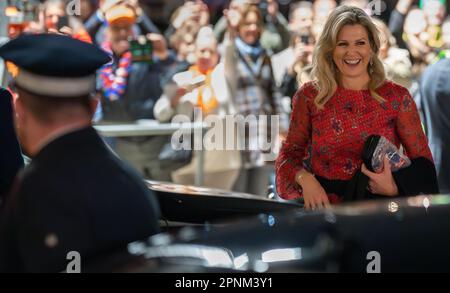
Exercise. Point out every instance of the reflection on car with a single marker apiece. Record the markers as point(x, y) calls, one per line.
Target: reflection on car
point(216, 231)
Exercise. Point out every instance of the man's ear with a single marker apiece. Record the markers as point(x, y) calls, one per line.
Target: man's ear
point(20, 112)
point(93, 104)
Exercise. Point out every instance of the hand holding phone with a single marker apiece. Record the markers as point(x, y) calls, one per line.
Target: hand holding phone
point(159, 45)
point(63, 21)
point(141, 49)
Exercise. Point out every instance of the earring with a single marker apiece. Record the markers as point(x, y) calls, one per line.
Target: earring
point(330, 59)
point(371, 66)
point(333, 66)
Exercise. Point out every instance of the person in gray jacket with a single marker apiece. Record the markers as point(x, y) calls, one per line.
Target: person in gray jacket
point(435, 107)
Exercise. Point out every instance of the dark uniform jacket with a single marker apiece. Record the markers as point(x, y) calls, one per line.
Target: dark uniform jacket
point(10, 156)
point(74, 196)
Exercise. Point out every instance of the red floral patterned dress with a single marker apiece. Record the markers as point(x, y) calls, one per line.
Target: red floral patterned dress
point(336, 134)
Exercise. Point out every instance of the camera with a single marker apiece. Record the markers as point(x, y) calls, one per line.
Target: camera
point(304, 39)
point(63, 21)
point(141, 49)
point(263, 6)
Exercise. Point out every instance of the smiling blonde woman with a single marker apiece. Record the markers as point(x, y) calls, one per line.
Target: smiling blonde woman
point(349, 100)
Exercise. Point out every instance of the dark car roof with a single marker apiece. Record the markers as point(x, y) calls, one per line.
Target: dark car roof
point(191, 204)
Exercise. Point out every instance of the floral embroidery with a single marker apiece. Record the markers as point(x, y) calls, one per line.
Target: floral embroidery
point(326, 165)
point(348, 167)
point(323, 149)
point(349, 106)
point(406, 104)
point(395, 105)
point(337, 126)
point(391, 122)
point(364, 135)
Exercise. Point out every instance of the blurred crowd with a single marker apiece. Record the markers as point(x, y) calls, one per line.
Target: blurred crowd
point(249, 58)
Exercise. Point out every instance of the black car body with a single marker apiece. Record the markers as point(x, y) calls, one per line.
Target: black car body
point(392, 235)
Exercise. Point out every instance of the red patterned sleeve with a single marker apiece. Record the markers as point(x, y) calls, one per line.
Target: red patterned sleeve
point(409, 129)
point(293, 149)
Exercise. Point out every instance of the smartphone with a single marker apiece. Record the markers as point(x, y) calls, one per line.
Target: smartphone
point(304, 39)
point(141, 50)
point(62, 22)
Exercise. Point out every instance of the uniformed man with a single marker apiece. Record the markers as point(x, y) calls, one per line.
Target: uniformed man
point(75, 195)
point(10, 156)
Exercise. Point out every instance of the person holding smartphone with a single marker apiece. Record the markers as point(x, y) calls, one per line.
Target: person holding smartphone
point(56, 20)
point(300, 69)
point(129, 88)
point(301, 17)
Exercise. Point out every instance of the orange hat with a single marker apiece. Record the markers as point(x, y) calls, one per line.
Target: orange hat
point(120, 12)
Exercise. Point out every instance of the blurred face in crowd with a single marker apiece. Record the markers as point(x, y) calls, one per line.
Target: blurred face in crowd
point(434, 11)
point(250, 28)
point(302, 17)
point(415, 22)
point(86, 9)
point(199, 10)
point(186, 48)
point(384, 38)
point(352, 53)
point(358, 3)
point(206, 54)
point(52, 15)
point(237, 5)
point(322, 9)
point(119, 32)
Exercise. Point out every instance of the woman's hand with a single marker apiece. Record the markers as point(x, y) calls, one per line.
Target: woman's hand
point(187, 12)
point(381, 183)
point(314, 195)
point(272, 8)
point(233, 18)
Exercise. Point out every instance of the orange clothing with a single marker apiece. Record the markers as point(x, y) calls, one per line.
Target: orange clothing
point(207, 104)
point(83, 36)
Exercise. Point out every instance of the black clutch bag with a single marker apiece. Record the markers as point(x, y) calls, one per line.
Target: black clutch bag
point(368, 150)
point(376, 148)
point(419, 178)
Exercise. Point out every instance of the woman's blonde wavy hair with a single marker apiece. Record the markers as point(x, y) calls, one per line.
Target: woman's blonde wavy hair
point(324, 71)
